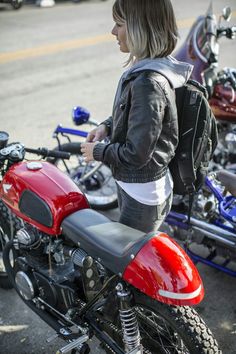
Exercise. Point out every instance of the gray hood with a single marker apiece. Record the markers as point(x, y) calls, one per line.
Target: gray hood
point(176, 72)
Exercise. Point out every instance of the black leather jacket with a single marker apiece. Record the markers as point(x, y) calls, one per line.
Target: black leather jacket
point(143, 129)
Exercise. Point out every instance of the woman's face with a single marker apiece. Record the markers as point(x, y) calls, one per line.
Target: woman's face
point(119, 30)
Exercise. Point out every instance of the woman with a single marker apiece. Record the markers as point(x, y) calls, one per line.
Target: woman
point(143, 129)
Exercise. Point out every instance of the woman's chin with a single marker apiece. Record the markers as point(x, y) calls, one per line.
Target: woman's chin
point(123, 50)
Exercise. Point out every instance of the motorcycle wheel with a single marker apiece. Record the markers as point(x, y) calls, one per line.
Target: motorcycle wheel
point(16, 4)
point(99, 188)
point(9, 224)
point(169, 329)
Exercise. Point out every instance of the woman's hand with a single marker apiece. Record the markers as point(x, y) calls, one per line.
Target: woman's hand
point(87, 151)
point(97, 134)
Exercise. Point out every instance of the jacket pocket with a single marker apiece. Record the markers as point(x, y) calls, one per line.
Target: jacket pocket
point(121, 113)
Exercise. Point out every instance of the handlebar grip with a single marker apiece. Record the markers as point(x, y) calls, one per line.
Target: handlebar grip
point(228, 32)
point(49, 153)
point(60, 154)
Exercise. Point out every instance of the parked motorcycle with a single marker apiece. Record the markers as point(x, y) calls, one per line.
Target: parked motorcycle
point(93, 178)
point(85, 275)
point(16, 4)
point(210, 234)
point(201, 49)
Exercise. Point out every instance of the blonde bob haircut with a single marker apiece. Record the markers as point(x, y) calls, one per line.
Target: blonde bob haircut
point(151, 28)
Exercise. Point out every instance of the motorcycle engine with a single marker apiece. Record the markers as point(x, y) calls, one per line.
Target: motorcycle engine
point(224, 155)
point(204, 204)
point(43, 272)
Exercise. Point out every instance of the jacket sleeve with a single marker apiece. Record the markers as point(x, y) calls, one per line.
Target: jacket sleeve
point(145, 120)
point(108, 124)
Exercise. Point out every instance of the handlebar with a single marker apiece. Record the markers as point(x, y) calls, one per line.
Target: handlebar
point(233, 29)
point(228, 32)
point(49, 153)
point(15, 152)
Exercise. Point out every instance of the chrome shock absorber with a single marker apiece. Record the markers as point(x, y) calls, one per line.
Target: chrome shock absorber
point(129, 323)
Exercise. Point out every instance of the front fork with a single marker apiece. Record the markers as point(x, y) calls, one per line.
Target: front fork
point(129, 323)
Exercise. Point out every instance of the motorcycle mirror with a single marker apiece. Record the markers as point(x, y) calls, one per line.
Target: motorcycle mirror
point(226, 13)
point(80, 115)
point(3, 139)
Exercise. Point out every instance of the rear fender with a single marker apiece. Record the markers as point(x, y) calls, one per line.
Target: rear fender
point(163, 271)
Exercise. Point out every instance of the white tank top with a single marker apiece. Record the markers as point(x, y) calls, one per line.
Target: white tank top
point(150, 193)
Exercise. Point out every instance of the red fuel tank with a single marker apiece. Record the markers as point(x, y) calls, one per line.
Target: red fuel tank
point(41, 194)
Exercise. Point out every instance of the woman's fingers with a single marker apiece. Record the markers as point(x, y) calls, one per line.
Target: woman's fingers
point(90, 136)
point(87, 151)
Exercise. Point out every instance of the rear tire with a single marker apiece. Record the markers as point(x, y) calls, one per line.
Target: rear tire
point(16, 4)
point(100, 188)
point(183, 330)
point(166, 329)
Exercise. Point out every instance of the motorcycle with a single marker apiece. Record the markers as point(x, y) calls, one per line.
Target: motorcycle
point(93, 178)
point(209, 236)
point(85, 275)
point(16, 4)
point(201, 49)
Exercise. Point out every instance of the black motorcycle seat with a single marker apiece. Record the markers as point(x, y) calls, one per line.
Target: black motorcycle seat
point(111, 243)
point(228, 179)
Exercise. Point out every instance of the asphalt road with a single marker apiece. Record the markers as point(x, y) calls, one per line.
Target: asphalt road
point(51, 60)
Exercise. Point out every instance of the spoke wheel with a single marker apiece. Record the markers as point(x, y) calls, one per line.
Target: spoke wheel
point(166, 329)
point(16, 4)
point(157, 334)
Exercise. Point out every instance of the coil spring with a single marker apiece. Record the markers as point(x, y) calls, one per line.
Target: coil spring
point(119, 332)
point(131, 335)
